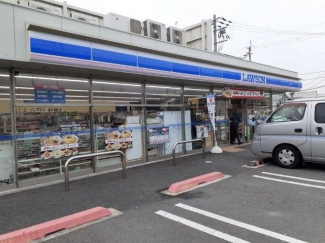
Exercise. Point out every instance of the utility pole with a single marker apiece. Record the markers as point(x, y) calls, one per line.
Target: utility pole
point(222, 31)
point(250, 51)
point(214, 23)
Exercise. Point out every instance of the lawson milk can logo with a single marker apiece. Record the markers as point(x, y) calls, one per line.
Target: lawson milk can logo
point(253, 78)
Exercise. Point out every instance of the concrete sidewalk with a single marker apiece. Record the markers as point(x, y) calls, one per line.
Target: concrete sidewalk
point(140, 188)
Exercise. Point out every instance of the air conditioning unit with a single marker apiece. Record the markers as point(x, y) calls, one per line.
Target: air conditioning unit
point(176, 36)
point(122, 23)
point(84, 17)
point(154, 30)
point(45, 7)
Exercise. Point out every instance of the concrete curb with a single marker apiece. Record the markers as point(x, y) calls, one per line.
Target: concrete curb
point(41, 230)
point(195, 181)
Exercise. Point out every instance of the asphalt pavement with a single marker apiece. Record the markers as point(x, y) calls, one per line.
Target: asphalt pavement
point(266, 204)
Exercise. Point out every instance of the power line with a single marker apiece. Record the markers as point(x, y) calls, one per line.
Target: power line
point(312, 72)
point(313, 88)
point(309, 79)
point(237, 47)
point(267, 30)
point(322, 53)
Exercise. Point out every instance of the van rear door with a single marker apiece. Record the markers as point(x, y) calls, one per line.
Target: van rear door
point(317, 133)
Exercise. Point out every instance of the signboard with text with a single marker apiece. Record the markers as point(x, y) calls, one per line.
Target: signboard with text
point(159, 135)
point(118, 139)
point(242, 94)
point(211, 109)
point(49, 94)
point(59, 145)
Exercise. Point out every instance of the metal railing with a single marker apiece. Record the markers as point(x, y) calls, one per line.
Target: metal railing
point(66, 168)
point(188, 141)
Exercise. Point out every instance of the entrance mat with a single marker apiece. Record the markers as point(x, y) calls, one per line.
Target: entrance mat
point(247, 146)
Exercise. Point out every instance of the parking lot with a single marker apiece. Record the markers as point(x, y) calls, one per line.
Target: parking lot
point(265, 204)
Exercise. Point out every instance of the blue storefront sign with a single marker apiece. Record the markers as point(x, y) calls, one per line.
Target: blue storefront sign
point(49, 94)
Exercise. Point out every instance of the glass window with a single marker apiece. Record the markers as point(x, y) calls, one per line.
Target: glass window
point(163, 95)
point(123, 94)
point(197, 115)
point(117, 129)
point(48, 136)
point(7, 164)
point(320, 113)
point(288, 112)
point(52, 124)
point(118, 121)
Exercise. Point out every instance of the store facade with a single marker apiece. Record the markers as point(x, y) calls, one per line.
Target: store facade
point(73, 93)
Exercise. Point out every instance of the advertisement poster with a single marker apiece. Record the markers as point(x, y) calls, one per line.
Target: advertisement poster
point(242, 94)
point(202, 131)
point(59, 145)
point(158, 135)
point(211, 109)
point(118, 140)
point(49, 94)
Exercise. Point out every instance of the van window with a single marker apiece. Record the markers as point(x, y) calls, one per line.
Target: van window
point(288, 112)
point(320, 113)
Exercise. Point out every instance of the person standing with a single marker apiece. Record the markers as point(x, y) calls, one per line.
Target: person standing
point(234, 131)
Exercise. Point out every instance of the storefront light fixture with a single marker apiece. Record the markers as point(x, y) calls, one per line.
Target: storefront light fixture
point(193, 95)
point(77, 96)
point(110, 83)
point(129, 98)
point(4, 75)
point(55, 79)
point(115, 101)
point(161, 87)
point(190, 89)
point(177, 95)
point(77, 90)
point(4, 87)
point(115, 92)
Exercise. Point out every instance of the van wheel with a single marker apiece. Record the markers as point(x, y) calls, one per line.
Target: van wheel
point(287, 156)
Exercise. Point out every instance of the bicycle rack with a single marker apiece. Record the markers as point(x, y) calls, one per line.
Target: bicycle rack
point(66, 168)
point(187, 141)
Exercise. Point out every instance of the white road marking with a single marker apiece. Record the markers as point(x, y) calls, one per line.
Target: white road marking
point(201, 227)
point(294, 177)
point(240, 224)
point(289, 182)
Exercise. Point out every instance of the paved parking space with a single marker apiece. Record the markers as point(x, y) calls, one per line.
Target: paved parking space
point(243, 208)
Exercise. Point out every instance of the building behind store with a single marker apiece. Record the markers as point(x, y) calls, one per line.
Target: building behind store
point(77, 82)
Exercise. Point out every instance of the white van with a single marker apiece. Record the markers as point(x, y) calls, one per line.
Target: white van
point(294, 133)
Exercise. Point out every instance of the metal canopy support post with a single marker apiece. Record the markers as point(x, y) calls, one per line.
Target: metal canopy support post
point(13, 120)
point(183, 118)
point(188, 141)
point(66, 166)
point(91, 125)
point(144, 114)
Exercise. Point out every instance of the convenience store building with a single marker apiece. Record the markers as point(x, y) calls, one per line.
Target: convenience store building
point(70, 87)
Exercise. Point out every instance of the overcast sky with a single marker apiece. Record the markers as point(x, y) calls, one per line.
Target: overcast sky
point(289, 34)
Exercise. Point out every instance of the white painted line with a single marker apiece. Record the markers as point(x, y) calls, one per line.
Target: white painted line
point(201, 227)
point(289, 182)
point(294, 177)
point(240, 224)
